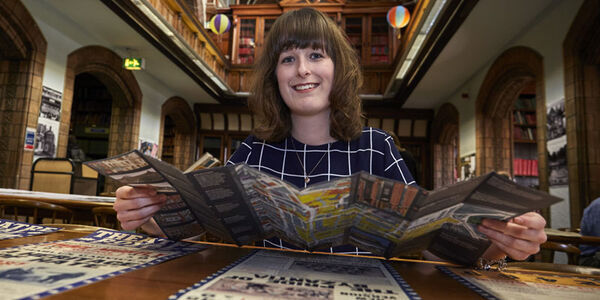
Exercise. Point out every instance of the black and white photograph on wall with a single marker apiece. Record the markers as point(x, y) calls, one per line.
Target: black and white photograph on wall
point(51, 102)
point(556, 121)
point(46, 138)
point(557, 161)
point(467, 167)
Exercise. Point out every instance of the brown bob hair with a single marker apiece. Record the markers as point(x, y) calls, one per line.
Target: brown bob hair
point(304, 28)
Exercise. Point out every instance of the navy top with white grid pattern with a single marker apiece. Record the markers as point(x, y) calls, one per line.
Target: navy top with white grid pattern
point(373, 152)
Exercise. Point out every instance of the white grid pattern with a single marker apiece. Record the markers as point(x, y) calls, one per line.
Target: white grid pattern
point(373, 152)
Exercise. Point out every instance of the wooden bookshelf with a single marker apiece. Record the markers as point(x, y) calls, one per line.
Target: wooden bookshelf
point(525, 160)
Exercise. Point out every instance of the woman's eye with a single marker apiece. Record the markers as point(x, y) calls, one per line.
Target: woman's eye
point(316, 55)
point(287, 59)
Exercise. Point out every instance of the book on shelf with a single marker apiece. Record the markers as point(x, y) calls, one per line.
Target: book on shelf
point(520, 133)
point(205, 161)
point(530, 119)
point(242, 205)
point(525, 103)
point(525, 167)
point(522, 118)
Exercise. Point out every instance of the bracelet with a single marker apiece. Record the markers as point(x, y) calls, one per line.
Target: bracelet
point(486, 264)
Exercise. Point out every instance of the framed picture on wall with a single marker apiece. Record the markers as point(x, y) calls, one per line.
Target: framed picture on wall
point(557, 161)
point(148, 147)
point(467, 167)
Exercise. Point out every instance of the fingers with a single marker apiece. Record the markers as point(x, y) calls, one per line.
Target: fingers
point(531, 220)
point(519, 237)
point(136, 205)
point(514, 247)
point(133, 219)
point(132, 192)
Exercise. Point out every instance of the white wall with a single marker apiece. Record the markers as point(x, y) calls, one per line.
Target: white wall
point(64, 37)
point(546, 37)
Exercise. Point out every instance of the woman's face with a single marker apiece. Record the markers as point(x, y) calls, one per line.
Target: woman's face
point(305, 78)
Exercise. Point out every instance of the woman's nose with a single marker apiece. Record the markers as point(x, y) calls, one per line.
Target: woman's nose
point(303, 69)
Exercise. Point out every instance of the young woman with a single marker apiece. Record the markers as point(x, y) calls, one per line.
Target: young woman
point(309, 127)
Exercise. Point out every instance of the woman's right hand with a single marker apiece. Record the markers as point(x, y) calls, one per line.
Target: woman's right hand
point(135, 207)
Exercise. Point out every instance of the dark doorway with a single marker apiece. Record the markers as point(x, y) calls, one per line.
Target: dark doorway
point(168, 150)
point(89, 128)
point(90, 119)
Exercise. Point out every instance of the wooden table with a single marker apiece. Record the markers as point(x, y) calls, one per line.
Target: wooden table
point(165, 279)
point(81, 205)
point(67, 200)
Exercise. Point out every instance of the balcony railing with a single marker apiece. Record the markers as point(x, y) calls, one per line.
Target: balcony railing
point(189, 36)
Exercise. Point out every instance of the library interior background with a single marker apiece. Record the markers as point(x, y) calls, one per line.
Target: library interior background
point(468, 86)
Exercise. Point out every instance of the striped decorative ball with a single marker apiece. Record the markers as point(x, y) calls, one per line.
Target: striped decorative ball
point(398, 16)
point(219, 24)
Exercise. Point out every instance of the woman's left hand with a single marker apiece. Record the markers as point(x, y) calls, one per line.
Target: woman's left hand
point(518, 238)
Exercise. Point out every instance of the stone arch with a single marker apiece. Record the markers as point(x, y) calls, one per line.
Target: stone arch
point(22, 57)
point(514, 69)
point(582, 97)
point(444, 133)
point(106, 66)
point(184, 132)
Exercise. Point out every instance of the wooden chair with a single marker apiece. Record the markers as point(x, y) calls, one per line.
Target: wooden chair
point(37, 210)
point(106, 217)
point(85, 183)
point(572, 251)
point(564, 240)
point(53, 175)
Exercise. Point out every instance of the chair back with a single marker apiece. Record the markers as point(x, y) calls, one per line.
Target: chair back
point(53, 175)
point(36, 210)
point(106, 217)
point(571, 251)
point(87, 182)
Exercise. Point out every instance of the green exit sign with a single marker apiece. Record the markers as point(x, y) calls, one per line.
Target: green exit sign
point(133, 63)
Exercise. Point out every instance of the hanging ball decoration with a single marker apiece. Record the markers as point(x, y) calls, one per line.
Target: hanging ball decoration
point(219, 24)
point(398, 16)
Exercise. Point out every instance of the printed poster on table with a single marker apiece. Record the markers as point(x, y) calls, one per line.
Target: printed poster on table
point(46, 136)
point(270, 275)
point(39, 270)
point(13, 229)
point(557, 143)
point(527, 284)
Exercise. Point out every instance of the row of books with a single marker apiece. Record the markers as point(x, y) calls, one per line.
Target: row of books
point(99, 119)
point(379, 59)
point(525, 167)
point(245, 59)
point(379, 39)
point(246, 51)
point(247, 33)
point(520, 133)
point(379, 50)
point(525, 103)
point(354, 39)
point(522, 118)
point(247, 41)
